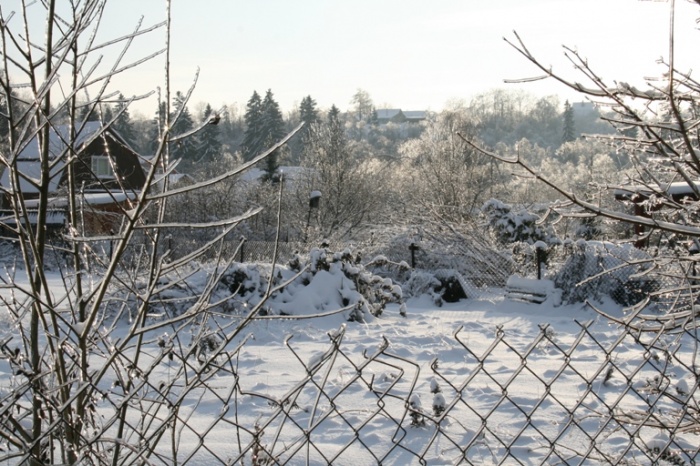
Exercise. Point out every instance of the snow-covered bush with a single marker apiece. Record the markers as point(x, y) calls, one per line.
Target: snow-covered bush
point(416, 411)
point(247, 279)
point(596, 269)
point(510, 226)
point(369, 292)
point(421, 283)
point(531, 259)
point(463, 248)
point(442, 285)
point(439, 402)
point(320, 283)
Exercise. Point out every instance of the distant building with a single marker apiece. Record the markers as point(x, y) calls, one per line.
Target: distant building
point(396, 115)
point(415, 116)
point(393, 115)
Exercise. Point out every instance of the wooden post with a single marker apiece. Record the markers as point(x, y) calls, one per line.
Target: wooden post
point(540, 257)
point(413, 247)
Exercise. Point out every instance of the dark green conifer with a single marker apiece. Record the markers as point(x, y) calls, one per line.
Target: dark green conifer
point(569, 129)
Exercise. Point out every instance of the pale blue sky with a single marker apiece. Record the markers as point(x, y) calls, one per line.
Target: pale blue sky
point(411, 54)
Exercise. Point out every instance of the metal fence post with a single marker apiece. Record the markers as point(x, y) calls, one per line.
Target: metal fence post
point(413, 247)
point(540, 257)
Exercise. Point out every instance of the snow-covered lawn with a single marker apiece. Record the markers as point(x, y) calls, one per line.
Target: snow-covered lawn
point(486, 379)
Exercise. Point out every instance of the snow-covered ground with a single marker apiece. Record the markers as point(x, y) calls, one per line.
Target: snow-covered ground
point(516, 382)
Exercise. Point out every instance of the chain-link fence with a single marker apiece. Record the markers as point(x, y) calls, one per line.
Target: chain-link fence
point(582, 270)
point(591, 397)
point(479, 266)
point(621, 394)
point(624, 408)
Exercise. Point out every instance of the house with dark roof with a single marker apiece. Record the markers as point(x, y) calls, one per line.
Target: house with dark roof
point(108, 175)
point(415, 116)
point(393, 115)
point(396, 115)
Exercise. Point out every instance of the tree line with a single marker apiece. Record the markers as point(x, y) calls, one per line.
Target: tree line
point(403, 175)
point(371, 173)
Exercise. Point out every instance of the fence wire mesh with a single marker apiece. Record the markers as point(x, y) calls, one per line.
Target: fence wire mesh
point(596, 397)
point(604, 394)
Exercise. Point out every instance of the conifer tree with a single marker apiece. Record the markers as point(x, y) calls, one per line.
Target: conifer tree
point(569, 130)
point(209, 137)
point(337, 134)
point(122, 124)
point(252, 139)
point(159, 120)
point(272, 132)
point(107, 114)
point(186, 148)
point(307, 111)
point(88, 113)
point(308, 114)
point(374, 118)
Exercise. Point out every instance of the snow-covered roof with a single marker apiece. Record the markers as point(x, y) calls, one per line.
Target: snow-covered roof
point(387, 113)
point(397, 114)
point(32, 169)
point(92, 199)
point(58, 136)
point(677, 189)
point(415, 114)
point(289, 173)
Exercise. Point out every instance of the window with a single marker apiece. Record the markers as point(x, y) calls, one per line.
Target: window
point(101, 167)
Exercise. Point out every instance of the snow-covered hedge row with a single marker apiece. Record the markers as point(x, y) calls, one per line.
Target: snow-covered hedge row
point(595, 269)
point(442, 285)
point(324, 283)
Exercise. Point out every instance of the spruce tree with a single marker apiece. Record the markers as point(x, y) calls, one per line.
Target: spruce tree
point(374, 118)
point(569, 130)
point(88, 112)
point(272, 131)
point(209, 137)
point(159, 121)
point(185, 148)
point(338, 142)
point(122, 125)
point(307, 112)
point(253, 138)
point(107, 114)
point(334, 114)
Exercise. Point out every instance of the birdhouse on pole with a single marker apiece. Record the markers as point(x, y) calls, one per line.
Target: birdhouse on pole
point(314, 199)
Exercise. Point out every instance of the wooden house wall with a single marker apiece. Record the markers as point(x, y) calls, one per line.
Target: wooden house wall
point(127, 167)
